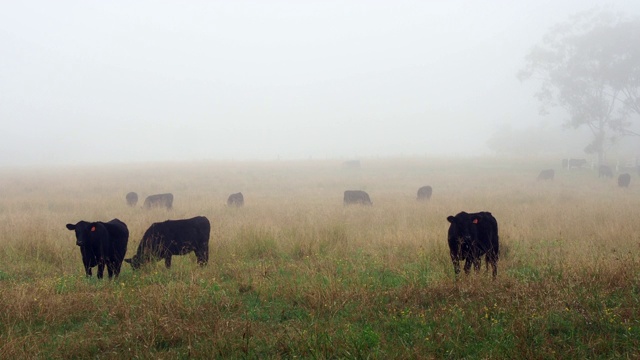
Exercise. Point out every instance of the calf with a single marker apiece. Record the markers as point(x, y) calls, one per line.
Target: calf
point(101, 244)
point(471, 236)
point(173, 237)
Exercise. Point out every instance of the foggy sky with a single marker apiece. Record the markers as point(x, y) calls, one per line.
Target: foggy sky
point(121, 81)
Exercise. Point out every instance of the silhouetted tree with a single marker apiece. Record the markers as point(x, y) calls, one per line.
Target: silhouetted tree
point(590, 67)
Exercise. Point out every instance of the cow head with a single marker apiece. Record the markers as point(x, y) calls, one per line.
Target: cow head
point(86, 232)
point(463, 229)
point(134, 261)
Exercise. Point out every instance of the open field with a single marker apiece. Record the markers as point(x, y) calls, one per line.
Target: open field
point(294, 273)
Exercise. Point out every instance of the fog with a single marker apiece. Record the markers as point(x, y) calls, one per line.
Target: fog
point(118, 81)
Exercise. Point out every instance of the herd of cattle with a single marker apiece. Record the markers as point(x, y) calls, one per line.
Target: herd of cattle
point(604, 171)
point(104, 244)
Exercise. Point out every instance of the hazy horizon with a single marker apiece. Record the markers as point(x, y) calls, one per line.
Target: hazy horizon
point(112, 82)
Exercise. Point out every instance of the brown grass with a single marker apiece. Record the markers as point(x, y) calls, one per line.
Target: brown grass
point(294, 273)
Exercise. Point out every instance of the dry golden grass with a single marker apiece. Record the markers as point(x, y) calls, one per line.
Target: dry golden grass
point(294, 273)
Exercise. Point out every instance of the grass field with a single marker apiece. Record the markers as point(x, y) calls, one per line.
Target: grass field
point(294, 273)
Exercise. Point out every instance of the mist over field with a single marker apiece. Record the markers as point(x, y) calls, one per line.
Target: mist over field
point(85, 82)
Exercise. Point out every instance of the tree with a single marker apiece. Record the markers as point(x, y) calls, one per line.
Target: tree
point(590, 67)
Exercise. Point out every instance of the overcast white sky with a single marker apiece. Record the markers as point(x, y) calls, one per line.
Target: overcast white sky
point(127, 81)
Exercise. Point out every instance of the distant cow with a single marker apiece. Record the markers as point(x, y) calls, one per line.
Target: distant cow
point(547, 174)
point(101, 244)
point(569, 164)
point(424, 193)
point(159, 200)
point(132, 199)
point(624, 180)
point(356, 197)
point(235, 200)
point(174, 237)
point(605, 171)
point(471, 236)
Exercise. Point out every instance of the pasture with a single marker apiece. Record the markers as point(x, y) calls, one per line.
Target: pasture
point(294, 273)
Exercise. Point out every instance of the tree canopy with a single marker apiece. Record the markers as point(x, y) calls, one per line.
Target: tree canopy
point(590, 67)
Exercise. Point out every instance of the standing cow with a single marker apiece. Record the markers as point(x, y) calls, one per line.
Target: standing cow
point(624, 180)
point(356, 197)
point(546, 174)
point(235, 200)
point(471, 236)
point(159, 200)
point(132, 199)
point(174, 237)
point(101, 244)
point(605, 171)
point(424, 193)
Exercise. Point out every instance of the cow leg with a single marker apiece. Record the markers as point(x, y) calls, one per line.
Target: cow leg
point(87, 271)
point(467, 265)
point(110, 270)
point(167, 261)
point(203, 256)
point(477, 264)
point(100, 270)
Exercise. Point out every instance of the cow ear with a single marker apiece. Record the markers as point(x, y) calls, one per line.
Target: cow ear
point(71, 227)
point(450, 218)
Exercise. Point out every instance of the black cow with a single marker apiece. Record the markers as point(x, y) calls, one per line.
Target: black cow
point(174, 237)
point(102, 244)
point(235, 200)
point(471, 236)
point(356, 197)
point(159, 200)
point(132, 199)
point(624, 180)
point(424, 193)
point(546, 174)
point(605, 171)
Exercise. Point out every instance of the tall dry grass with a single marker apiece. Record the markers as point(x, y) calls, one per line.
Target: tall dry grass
point(294, 273)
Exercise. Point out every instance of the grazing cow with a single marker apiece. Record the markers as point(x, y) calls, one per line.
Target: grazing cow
point(356, 197)
point(102, 244)
point(235, 200)
point(624, 180)
point(471, 236)
point(132, 199)
point(424, 193)
point(173, 237)
point(547, 174)
point(159, 200)
point(605, 171)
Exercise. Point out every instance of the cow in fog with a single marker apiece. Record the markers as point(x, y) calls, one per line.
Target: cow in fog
point(424, 193)
point(173, 237)
point(235, 200)
point(132, 199)
point(624, 180)
point(102, 244)
point(547, 174)
point(605, 171)
point(569, 164)
point(470, 236)
point(356, 197)
point(159, 200)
